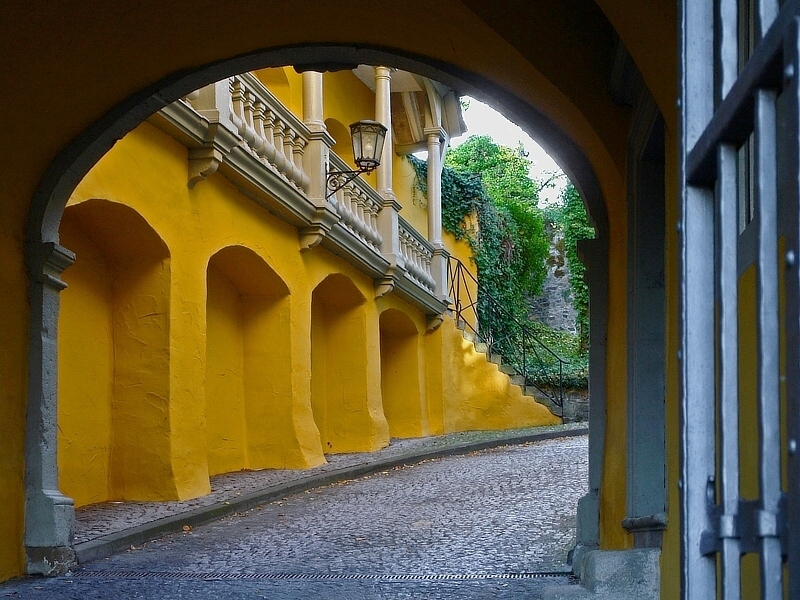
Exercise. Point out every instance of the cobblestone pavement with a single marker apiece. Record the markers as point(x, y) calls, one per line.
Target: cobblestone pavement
point(100, 519)
point(460, 525)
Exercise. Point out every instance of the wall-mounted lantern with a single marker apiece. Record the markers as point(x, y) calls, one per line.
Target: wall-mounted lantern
point(367, 138)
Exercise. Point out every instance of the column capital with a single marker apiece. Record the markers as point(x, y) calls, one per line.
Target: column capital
point(438, 132)
point(384, 72)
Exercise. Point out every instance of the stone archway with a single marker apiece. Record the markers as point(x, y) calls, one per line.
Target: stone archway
point(49, 514)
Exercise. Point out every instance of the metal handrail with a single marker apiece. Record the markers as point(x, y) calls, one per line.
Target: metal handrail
point(520, 348)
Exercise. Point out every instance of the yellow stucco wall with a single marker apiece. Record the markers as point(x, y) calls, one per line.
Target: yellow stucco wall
point(475, 394)
point(345, 377)
point(85, 392)
point(413, 201)
point(248, 368)
point(13, 393)
point(226, 414)
point(127, 318)
point(403, 394)
point(347, 100)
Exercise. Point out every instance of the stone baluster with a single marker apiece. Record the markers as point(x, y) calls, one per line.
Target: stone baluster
point(269, 136)
point(280, 157)
point(258, 125)
point(298, 150)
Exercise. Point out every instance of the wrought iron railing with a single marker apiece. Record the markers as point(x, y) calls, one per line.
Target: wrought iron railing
point(520, 349)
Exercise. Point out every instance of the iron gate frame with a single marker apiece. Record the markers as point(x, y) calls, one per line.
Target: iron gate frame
point(721, 106)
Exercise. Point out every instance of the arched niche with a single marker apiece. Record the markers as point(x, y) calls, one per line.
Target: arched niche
point(248, 362)
point(343, 394)
point(114, 386)
point(402, 391)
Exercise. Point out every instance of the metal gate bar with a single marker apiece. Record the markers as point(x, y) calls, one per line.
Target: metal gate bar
point(696, 355)
point(791, 195)
point(766, 219)
point(727, 292)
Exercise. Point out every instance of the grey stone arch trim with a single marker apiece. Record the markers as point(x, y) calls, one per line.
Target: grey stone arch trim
point(594, 255)
point(49, 515)
point(646, 344)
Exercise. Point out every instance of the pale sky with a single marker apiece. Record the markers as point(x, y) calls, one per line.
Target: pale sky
point(481, 119)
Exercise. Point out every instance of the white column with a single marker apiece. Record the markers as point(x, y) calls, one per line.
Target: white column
point(383, 114)
point(312, 100)
point(388, 221)
point(435, 136)
point(315, 161)
point(316, 154)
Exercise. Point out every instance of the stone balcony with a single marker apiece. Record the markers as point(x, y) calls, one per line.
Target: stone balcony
point(238, 128)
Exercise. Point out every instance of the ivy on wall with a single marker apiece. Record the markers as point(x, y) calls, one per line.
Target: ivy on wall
point(572, 218)
point(488, 185)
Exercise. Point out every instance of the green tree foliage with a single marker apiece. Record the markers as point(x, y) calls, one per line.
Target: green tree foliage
point(516, 237)
point(488, 182)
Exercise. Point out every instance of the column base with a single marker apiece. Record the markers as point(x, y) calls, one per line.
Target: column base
point(50, 561)
point(614, 575)
point(49, 527)
point(647, 531)
point(588, 529)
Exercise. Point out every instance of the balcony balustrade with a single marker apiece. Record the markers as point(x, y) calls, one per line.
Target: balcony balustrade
point(417, 253)
point(357, 205)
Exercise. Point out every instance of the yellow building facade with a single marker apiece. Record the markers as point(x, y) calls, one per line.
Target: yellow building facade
point(606, 85)
point(203, 333)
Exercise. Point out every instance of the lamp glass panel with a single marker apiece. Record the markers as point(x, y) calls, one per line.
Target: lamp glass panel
point(368, 138)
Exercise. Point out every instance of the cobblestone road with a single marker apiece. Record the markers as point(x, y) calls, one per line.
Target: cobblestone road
point(459, 525)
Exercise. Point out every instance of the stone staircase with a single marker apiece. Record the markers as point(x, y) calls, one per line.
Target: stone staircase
point(516, 379)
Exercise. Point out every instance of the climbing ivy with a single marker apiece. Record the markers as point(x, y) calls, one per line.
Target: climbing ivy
point(509, 244)
point(572, 218)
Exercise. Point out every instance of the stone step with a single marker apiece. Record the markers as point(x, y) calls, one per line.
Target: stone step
point(515, 379)
point(518, 380)
point(507, 369)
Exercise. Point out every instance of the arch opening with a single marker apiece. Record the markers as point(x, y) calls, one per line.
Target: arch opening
point(363, 429)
